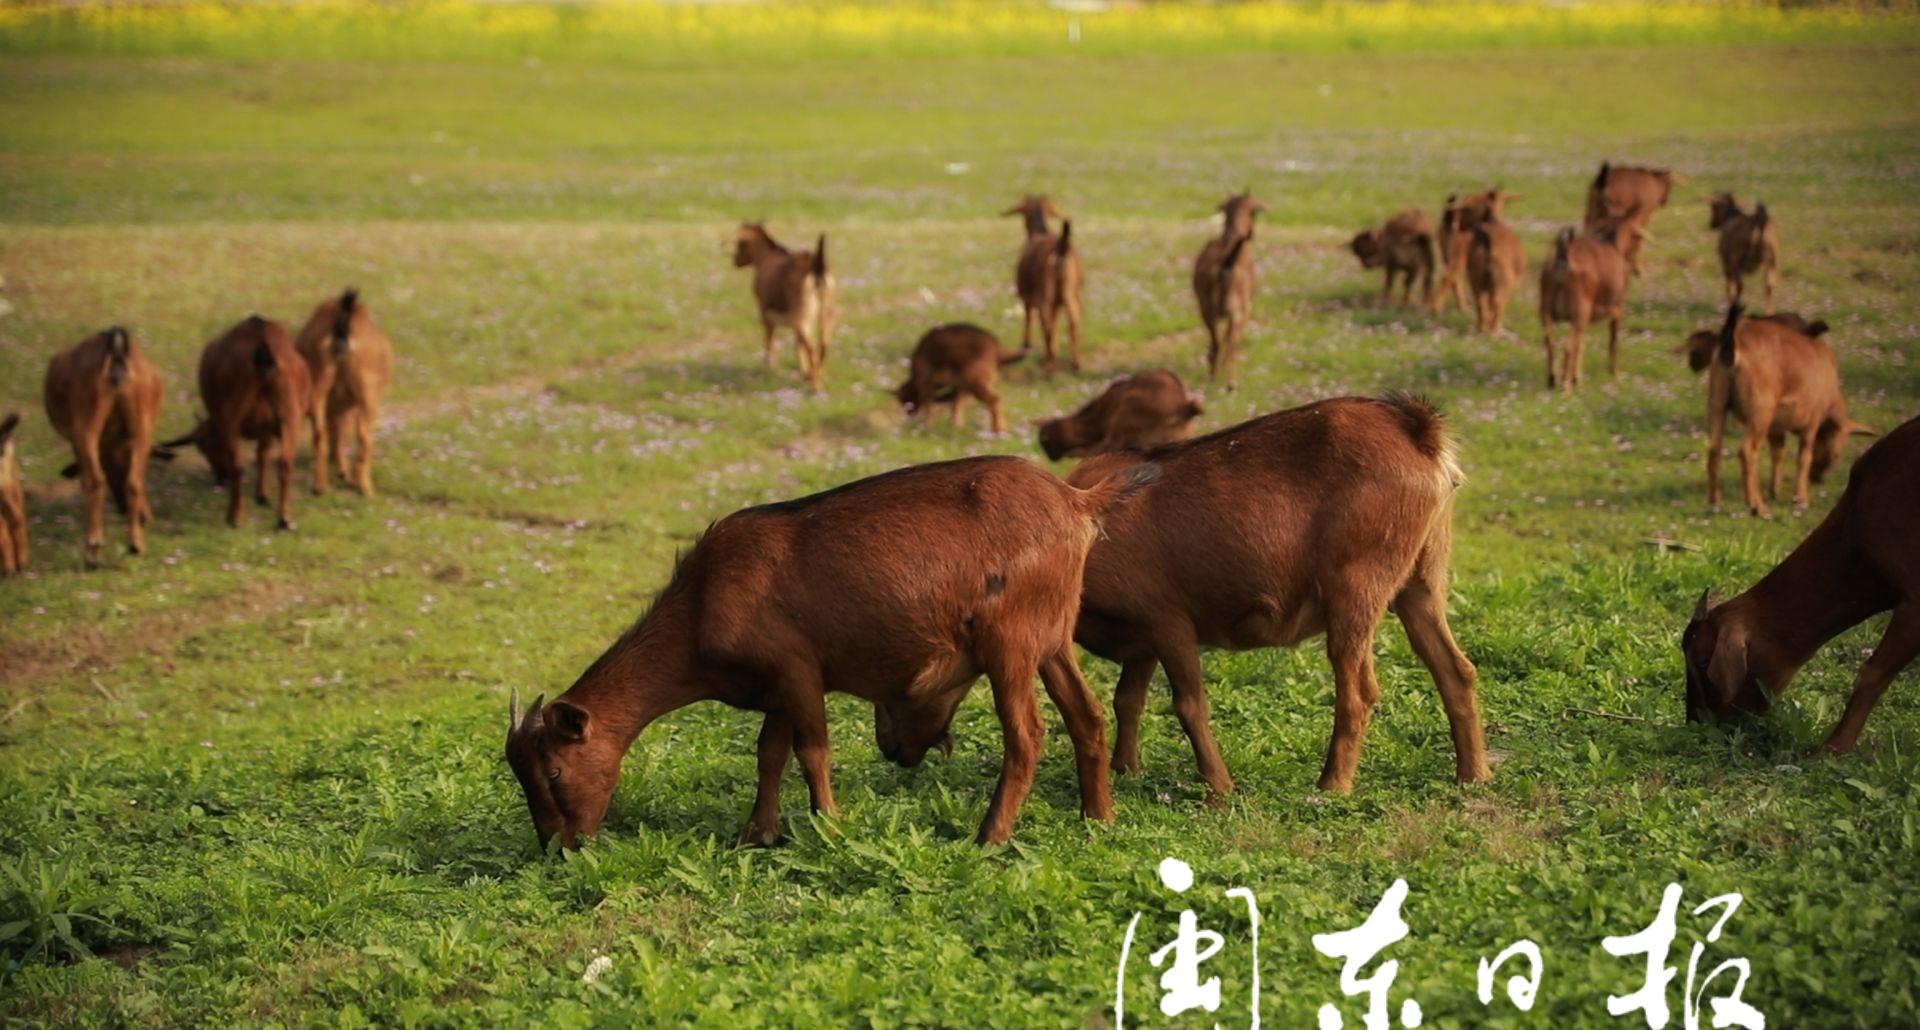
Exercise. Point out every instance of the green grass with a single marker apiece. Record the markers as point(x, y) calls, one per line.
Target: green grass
point(257, 775)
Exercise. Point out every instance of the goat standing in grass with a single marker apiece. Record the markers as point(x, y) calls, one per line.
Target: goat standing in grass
point(1495, 264)
point(902, 589)
point(103, 396)
point(351, 362)
point(791, 288)
point(1404, 246)
point(1862, 559)
point(952, 363)
point(1779, 377)
point(1583, 279)
point(255, 387)
point(1048, 278)
point(1749, 244)
point(1223, 282)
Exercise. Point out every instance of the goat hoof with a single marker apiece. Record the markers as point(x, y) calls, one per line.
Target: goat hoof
point(285, 524)
point(261, 500)
point(759, 836)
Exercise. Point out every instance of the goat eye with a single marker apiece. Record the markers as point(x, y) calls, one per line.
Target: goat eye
point(553, 772)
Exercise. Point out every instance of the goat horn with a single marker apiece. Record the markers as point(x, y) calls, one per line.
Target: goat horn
point(513, 710)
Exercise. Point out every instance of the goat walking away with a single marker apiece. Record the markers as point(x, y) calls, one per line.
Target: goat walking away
point(1749, 243)
point(255, 387)
point(1459, 217)
point(1404, 246)
point(351, 362)
point(1223, 282)
point(1141, 410)
point(793, 289)
point(1778, 377)
point(1315, 520)
point(13, 503)
point(1862, 559)
point(1584, 278)
point(103, 396)
point(902, 589)
point(950, 364)
point(1495, 264)
point(1048, 278)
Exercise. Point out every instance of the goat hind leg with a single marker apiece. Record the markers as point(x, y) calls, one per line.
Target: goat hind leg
point(1022, 733)
point(1080, 710)
point(1422, 611)
point(1350, 649)
point(1129, 701)
point(1182, 662)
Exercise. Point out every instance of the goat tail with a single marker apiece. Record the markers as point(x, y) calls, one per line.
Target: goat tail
point(1600, 180)
point(1194, 408)
point(1759, 216)
point(1817, 327)
point(1064, 245)
point(1727, 328)
point(343, 320)
point(1561, 243)
point(118, 348)
point(264, 364)
point(1426, 429)
point(1100, 498)
point(1008, 357)
point(820, 258)
point(8, 424)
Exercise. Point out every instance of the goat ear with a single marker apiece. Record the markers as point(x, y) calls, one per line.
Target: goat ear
point(1702, 606)
point(1728, 669)
point(566, 721)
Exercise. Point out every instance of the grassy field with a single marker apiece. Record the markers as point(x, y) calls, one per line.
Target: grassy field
point(256, 777)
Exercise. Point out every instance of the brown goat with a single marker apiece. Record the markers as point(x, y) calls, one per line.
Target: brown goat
point(1142, 410)
point(255, 387)
point(902, 589)
point(103, 396)
point(1223, 281)
point(1749, 243)
point(1775, 375)
point(13, 503)
point(1583, 279)
point(1862, 559)
point(1404, 246)
point(351, 362)
point(1048, 278)
point(792, 289)
point(1629, 196)
point(1495, 264)
point(950, 364)
point(1459, 216)
point(1316, 520)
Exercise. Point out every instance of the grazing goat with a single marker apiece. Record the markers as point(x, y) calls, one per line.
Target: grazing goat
point(1495, 263)
point(1749, 243)
point(1583, 279)
point(1048, 277)
point(13, 503)
point(1223, 281)
point(792, 289)
point(902, 589)
point(950, 364)
point(1862, 559)
point(1630, 196)
point(1403, 246)
point(255, 387)
point(103, 395)
point(1313, 520)
point(351, 361)
point(1141, 410)
point(1778, 377)
point(1459, 216)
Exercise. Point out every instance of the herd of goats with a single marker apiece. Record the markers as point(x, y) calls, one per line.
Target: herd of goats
point(906, 587)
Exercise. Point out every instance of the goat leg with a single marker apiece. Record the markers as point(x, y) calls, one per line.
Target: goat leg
point(1182, 661)
point(1129, 701)
point(1897, 649)
point(776, 747)
point(1080, 710)
point(1022, 733)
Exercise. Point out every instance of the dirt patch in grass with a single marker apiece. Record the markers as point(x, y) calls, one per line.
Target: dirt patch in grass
point(84, 649)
